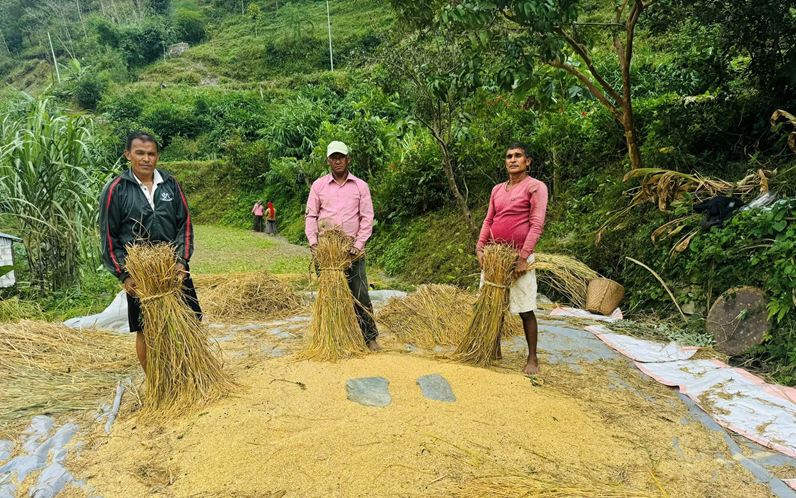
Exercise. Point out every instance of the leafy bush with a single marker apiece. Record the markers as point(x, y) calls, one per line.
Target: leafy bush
point(209, 187)
point(189, 26)
point(88, 90)
point(756, 248)
point(140, 44)
point(124, 106)
point(168, 120)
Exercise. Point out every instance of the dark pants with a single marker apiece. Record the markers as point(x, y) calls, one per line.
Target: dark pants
point(270, 227)
point(258, 223)
point(134, 306)
point(358, 283)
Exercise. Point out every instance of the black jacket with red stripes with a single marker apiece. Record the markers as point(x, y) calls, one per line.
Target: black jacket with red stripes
point(126, 217)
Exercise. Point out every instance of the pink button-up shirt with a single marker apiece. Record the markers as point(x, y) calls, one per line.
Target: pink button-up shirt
point(348, 206)
point(516, 216)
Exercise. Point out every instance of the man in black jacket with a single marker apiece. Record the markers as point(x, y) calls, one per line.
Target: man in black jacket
point(144, 204)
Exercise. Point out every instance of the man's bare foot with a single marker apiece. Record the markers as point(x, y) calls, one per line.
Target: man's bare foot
point(532, 368)
point(373, 345)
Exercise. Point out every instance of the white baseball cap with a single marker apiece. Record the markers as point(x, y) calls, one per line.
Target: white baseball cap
point(335, 147)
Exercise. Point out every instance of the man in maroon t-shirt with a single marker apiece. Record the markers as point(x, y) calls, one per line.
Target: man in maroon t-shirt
point(516, 215)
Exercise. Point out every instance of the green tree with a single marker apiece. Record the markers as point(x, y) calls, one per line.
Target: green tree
point(160, 7)
point(88, 90)
point(296, 18)
point(189, 25)
point(440, 80)
point(530, 31)
point(763, 30)
point(253, 13)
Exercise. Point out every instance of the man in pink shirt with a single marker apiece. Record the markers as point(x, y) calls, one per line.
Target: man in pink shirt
point(341, 199)
point(516, 216)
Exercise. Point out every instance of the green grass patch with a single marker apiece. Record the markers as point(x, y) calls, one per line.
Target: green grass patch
point(232, 250)
point(289, 41)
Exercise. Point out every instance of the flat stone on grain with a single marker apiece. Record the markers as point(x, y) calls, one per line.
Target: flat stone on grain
point(369, 391)
point(434, 386)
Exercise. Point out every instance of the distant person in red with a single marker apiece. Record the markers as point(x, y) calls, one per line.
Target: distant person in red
point(258, 211)
point(270, 220)
point(516, 215)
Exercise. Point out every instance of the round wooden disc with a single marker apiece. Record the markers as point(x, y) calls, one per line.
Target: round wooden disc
point(738, 320)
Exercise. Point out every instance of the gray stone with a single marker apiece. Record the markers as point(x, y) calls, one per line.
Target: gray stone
point(177, 49)
point(434, 386)
point(369, 391)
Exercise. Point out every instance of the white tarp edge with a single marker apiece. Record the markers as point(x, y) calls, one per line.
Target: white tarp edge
point(736, 399)
point(113, 318)
point(641, 350)
point(579, 313)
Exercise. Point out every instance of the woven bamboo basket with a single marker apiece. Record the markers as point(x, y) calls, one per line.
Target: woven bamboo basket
point(603, 296)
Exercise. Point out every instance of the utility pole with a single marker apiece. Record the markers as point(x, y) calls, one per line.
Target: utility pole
point(329, 22)
point(55, 62)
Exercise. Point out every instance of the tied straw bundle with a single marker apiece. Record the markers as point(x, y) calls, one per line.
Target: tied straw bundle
point(334, 331)
point(183, 371)
point(481, 342)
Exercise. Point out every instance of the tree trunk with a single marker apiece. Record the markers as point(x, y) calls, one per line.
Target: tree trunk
point(460, 200)
point(630, 134)
point(556, 172)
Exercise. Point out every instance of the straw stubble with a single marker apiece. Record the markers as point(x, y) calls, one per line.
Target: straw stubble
point(334, 332)
point(49, 368)
point(565, 274)
point(184, 371)
point(481, 342)
point(433, 315)
point(257, 294)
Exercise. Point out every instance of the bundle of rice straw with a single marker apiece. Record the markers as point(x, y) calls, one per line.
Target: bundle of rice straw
point(253, 294)
point(481, 342)
point(334, 331)
point(51, 368)
point(565, 274)
point(183, 370)
point(433, 315)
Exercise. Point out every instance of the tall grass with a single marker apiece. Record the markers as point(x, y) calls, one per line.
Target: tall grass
point(51, 173)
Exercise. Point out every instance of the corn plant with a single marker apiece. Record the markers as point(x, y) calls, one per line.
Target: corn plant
point(50, 179)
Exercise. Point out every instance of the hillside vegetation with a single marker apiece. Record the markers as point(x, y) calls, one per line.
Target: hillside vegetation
point(427, 95)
